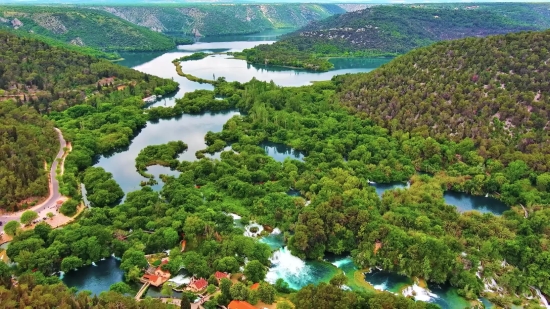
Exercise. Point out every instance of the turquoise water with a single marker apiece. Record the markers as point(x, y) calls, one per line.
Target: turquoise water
point(274, 240)
point(387, 281)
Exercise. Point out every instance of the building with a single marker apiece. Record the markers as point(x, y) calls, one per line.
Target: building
point(156, 276)
point(197, 285)
point(237, 304)
point(219, 276)
point(255, 286)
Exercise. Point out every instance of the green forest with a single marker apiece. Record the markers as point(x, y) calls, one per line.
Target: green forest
point(90, 28)
point(481, 105)
point(38, 79)
point(385, 31)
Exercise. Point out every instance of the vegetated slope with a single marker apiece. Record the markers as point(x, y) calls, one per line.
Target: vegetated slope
point(27, 141)
point(493, 90)
point(391, 30)
point(210, 20)
point(52, 79)
point(83, 27)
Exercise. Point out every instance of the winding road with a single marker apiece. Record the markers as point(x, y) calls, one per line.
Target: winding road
point(54, 188)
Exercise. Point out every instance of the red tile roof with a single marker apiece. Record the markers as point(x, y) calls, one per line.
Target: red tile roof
point(219, 275)
point(237, 304)
point(199, 284)
point(255, 286)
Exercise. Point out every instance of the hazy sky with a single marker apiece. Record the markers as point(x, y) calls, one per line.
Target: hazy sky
point(243, 1)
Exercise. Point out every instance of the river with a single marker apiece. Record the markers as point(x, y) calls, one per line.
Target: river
point(191, 129)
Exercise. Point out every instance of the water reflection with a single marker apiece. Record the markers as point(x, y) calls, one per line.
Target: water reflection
point(467, 202)
point(190, 129)
point(280, 152)
point(96, 279)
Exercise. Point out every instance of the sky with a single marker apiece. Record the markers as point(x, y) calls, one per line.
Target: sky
point(241, 1)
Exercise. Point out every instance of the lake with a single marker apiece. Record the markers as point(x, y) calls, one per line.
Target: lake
point(191, 129)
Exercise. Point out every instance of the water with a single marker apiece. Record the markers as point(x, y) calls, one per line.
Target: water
point(486, 303)
point(275, 240)
point(387, 281)
point(280, 152)
point(447, 297)
point(96, 279)
point(383, 187)
point(190, 129)
point(468, 202)
point(296, 272)
point(294, 192)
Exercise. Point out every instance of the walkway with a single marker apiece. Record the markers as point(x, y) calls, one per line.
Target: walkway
point(142, 290)
point(54, 188)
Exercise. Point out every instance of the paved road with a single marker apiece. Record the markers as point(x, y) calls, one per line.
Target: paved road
point(54, 188)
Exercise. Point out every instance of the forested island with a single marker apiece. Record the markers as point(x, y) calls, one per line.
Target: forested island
point(387, 31)
point(419, 118)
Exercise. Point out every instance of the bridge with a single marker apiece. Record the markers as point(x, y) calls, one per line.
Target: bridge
point(142, 290)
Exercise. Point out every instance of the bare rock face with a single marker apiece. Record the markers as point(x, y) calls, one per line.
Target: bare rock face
point(77, 41)
point(50, 22)
point(16, 23)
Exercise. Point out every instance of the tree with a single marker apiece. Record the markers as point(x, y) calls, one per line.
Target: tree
point(239, 291)
point(267, 293)
point(284, 305)
point(131, 258)
point(69, 207)
point(70, 262)
point(50, 215)
point(227, 264)
point(12, 228)
point(255, 271)
point(211, 289)
point(185, 303)
point(339, 280)
point(28, 216)
point(166, 290)
point(120, 287)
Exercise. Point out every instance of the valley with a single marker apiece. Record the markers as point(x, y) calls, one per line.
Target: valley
point(418, 181)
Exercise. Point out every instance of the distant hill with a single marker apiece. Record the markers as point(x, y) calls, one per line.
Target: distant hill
point(82, 27)
point(222, 19)
point(393, 30)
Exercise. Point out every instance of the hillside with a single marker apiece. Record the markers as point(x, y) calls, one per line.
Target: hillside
point(392, 30)
point(47, 79)
point(492, 90)
point(82, 27)
point(212, 20)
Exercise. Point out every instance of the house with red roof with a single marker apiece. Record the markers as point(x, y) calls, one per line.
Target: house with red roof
point(219, 276)
point(238, 304)
point(197, 285)
point(255, 286)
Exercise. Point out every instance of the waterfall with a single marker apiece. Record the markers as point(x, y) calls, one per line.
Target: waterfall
point(234, 216)
point(341, 262)
point(115, 257)
point(371, 182)
point(94, 264)
point(180, 279)
point(543, 300)
point(61, 275)
point(419, 293)
point(290, 268)
point(276, 231)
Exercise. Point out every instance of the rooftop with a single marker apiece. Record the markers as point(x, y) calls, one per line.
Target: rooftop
point(237, 304)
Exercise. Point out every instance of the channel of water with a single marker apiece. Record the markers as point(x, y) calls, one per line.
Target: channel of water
point(191, 130)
